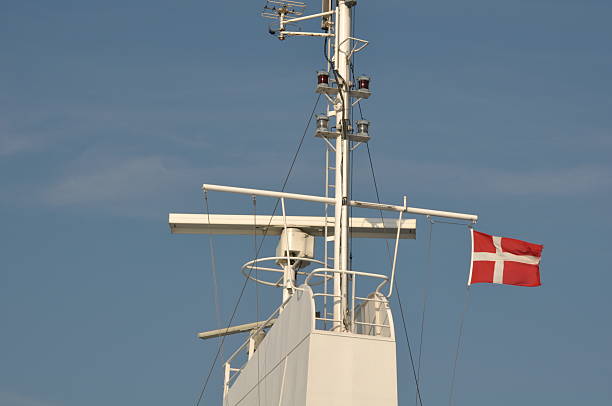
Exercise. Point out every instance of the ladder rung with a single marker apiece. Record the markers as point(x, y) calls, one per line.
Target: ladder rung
point(329, 238)
point(331, 168)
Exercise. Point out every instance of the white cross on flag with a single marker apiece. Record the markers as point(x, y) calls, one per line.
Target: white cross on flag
point(504, 261)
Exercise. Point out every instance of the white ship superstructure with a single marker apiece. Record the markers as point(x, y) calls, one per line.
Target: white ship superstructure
point(332, 339)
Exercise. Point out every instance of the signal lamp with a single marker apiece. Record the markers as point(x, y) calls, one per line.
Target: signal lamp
point(322, 77)
point(322, 123)
point(364, 82)
point(363, 126)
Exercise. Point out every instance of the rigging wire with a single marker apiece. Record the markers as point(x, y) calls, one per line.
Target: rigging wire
point(417, 372)
point(399, 300)
point(205, 385)
point(351, 160)
point(297, 152)
point(265, 233)
point(350, 208)
point(457, 352)
point(257, 310)
point(213, 269)
point(340, 81)
point(416, 379)
point(459, 342)
point(454, 223)
point(425, 296)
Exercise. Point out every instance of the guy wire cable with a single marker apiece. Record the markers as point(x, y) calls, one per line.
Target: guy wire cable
point(399, 300)
point(265, 233)
point(452, 385)
point(451, 395)
point(213, 269)
point(425, 295)
point(257, 312)
point(416, 379)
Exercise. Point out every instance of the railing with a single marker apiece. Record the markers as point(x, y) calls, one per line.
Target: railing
point(363, 318)
point(357, 302)
point(249, 345)
point(255, 265)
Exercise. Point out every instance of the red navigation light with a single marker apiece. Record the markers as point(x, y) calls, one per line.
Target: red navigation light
point(322, 77)
point(364, 82)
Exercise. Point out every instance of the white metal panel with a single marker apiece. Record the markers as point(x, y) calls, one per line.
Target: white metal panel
point(361, 227)
point(351, 370)
point(280, 363)
point(297, 365)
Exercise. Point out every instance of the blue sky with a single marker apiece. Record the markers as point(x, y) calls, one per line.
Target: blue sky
point(112, 114)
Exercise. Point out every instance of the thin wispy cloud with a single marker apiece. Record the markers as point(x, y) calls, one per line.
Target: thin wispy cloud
point(135, 183)
point(69, 125)
point(123, 181)
point(11, 144)
point(143, 185)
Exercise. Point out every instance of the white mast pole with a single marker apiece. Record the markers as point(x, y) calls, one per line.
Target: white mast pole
point(342, 108)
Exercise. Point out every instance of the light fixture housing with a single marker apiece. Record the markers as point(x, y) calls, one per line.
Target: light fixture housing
point(363, 82)
point(322, 123)
point(322, 78)
point(363, 127)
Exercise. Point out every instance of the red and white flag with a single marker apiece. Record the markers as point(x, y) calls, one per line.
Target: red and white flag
point(504, 260)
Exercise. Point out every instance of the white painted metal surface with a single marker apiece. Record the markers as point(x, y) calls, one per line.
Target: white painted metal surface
point(242, 328)
point(298, 365)
point(356, 203)
point(351, 370)
point(247, 224)
point(280, 362)
point(342, 107)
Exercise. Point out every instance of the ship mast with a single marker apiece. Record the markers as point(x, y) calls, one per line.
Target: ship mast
point(314, 334)
point(296, 243)
point(337, 24)
point(342, 66)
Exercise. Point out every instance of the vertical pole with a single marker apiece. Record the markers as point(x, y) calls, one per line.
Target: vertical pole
point(326, 237)
point(226, 379)
point(342, 107)
point(251, 349)
point(289, 273)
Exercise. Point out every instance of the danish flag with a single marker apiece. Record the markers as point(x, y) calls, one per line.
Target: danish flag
point(504, 261)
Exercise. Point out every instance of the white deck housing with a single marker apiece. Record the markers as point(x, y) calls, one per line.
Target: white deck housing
point(299, 365)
